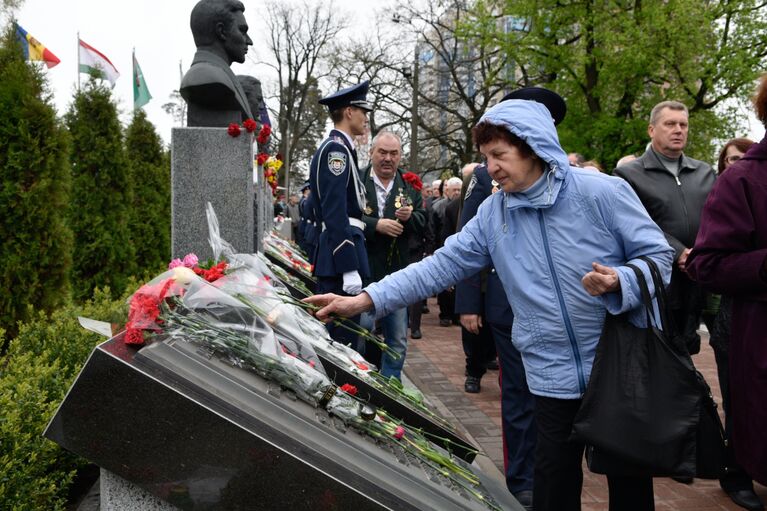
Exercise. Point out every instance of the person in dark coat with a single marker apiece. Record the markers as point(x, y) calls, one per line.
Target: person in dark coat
point(735, 482)
point(730, 257)
point(394, 214)
point(673, 188)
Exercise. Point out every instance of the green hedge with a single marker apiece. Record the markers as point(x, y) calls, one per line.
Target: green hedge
point(35, 374)
point(35, 241)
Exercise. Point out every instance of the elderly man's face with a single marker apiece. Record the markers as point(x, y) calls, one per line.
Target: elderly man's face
point(235, 38)
point(385, 156)
point(669, 133)
point(452, 190)
point(435, 189)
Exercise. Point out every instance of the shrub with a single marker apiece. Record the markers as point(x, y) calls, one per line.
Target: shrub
point(101, 204)
point(150, 174)
point(35, 374)
point(35, 242)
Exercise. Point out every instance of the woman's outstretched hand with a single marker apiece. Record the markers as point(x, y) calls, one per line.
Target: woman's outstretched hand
point(345, 306)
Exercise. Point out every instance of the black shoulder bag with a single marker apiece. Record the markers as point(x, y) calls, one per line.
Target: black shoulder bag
point(641, 412)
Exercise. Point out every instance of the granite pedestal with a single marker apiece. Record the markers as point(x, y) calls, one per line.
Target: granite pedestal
point(198, 433)
point(208, 165)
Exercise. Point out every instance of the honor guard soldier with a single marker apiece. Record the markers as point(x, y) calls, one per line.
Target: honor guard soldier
point(339, 201)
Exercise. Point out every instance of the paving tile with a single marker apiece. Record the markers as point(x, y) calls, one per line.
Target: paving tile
point(435, 364)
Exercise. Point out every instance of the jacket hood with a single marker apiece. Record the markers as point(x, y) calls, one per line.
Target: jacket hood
point(532, 122)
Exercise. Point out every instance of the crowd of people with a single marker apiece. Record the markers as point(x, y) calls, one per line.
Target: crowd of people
point(528, 253)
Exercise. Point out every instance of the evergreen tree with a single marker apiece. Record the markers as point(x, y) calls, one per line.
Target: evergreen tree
point(35, 242)
point(150, 174)
point(102, 195)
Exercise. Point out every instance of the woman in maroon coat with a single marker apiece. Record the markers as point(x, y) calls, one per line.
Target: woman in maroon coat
point(730, 257)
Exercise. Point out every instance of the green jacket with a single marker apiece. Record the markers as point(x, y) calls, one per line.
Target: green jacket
point(384, 259)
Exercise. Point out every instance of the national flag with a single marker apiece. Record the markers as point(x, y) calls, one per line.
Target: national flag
point(141, 95)
point(93, 61)
point(34, 49)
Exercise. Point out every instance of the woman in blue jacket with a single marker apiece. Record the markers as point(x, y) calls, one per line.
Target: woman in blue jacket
point(559, 238)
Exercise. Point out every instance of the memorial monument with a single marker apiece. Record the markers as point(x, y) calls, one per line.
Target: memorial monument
point(209, 165)
point(214, 95)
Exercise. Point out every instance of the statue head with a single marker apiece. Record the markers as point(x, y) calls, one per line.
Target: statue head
point(253, 91)
point(219, 26)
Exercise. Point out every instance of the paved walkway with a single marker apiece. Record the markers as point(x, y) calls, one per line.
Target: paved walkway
point(435, 364)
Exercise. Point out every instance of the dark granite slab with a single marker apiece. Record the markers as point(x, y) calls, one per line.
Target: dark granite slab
point(402, 410)
point(201, 434)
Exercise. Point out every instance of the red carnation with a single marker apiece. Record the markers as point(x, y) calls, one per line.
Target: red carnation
point(413, 180)
point(233, 130)
point(263, 135)
point(250, 125)
point(134, 336)
point(349, 389)
point(261, 158)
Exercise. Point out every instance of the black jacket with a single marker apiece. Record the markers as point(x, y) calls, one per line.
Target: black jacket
point(673, 203)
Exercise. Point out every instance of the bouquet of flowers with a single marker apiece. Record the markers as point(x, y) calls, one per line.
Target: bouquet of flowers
point(180, 305)
point(271, 166)
point(291, 257)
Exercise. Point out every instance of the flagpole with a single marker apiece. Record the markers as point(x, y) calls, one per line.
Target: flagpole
point(78, 61)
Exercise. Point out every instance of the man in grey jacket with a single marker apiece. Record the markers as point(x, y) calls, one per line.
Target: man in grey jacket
point(673, 188)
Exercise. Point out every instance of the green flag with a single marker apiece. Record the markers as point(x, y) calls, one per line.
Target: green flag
point(141, 94)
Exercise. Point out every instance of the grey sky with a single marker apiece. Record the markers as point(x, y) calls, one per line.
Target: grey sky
point(159, 30)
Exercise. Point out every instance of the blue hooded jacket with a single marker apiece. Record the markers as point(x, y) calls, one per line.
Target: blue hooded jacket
point(542, 242)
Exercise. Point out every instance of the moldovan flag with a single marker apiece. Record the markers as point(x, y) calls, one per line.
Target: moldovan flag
point(141, 94)
point(34, 49)
point(92, 60)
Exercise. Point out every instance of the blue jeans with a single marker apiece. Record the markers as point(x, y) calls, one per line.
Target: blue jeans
point(394, 327)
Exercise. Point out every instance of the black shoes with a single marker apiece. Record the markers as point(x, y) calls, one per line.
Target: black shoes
point(415, 334)
point(525, 497)
point(472, 385)
point(746, 499)
point(683, 480)
point(445, 322)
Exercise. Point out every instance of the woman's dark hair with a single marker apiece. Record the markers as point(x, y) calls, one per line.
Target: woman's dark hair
point(742, 144)
point(484, 133)
point(760, 100)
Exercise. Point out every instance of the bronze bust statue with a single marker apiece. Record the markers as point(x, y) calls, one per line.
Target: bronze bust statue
point(210, 88)
point(253, 91)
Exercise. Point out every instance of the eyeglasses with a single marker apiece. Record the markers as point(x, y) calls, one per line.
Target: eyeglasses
point(732, 159)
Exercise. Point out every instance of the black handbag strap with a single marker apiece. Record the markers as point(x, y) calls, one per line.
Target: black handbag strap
point(645, 293)
point(660, 294)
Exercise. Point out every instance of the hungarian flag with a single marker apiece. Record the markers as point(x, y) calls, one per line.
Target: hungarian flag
point(93, 61)
point(34, 49)
point(141, 94)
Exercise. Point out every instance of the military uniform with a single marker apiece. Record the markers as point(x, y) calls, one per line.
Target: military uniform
point(339, 201)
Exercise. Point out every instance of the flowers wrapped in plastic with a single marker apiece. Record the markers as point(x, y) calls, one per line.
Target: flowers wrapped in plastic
point(179, 305)
point(287, 254)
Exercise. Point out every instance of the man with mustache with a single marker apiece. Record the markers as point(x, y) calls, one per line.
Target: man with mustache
point(394, 213)
point(673, 188)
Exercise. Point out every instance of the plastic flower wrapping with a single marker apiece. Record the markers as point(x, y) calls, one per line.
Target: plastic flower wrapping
point(289, 254)
point(247, 318)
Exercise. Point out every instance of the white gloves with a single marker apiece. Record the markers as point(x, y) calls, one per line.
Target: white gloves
point(352, 283)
